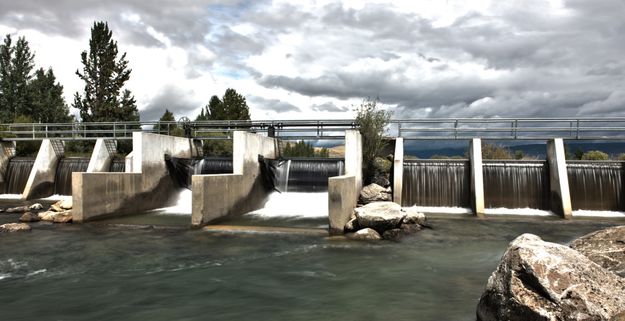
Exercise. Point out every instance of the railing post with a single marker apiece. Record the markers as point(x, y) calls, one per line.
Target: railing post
point(516, 128)
point(456, 129)
point(577, 130)
point(33, 131)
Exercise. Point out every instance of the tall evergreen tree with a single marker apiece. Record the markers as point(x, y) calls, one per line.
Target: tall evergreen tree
point(47, 102)
point(215, 109)
point(104, 75)
point(16, 66)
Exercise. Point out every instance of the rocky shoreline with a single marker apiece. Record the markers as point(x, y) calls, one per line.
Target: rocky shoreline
point(59, 212)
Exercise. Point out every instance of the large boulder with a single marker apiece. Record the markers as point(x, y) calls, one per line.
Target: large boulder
point(375, 193)
point(365, 234)
point(538, 280)
point(18, 209)
point(413, 216)
point(14, 227)
point(380, 216)
point(62, 205)
point(63, 217)
point(604, 247)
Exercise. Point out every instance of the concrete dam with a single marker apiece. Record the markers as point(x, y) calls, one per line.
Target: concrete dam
point(152, 175)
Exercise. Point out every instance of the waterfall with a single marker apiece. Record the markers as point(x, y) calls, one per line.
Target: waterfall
point(516, 184)
point(64, 170)
point(303, 174)
point(182, 169)
point(16, 175)
point(118, 165)
point(436, 183)
point(596, 185)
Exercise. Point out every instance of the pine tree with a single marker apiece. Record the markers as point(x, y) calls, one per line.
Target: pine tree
point(167, 116)
point(235, 106)
point(16, 66)
point(215, 109)
point(104, 76)
point(47, 102)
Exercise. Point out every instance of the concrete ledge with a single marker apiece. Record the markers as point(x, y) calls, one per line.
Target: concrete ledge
point(41, 179)
point(100, 158)
point(217, 196)
point(477, 177)
point(558, 179)
point(149, 186)
point(398, 170)
point(353, 156)
point(342, 199)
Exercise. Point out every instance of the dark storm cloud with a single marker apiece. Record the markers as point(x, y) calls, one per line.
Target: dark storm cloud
point(172, 98)
point(275, 105)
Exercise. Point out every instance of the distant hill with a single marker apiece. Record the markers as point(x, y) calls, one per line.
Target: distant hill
point(536, 150)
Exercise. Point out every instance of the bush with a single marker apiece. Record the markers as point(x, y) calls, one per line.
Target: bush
point(372, 123)
point(595, 155)
point(491, 151)
point(303, 149)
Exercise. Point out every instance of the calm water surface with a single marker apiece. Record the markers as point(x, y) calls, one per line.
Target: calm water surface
point(104, 272)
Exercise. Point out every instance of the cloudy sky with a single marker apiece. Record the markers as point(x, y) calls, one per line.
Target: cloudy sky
point(317, 59)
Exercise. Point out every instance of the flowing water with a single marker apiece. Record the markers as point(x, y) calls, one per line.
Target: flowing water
point(64, 170)
point(436, 183)
point(304, 174)
point(16, 175)
point(118, 165)
point(100, 272)
point(596, 185)
point(516, 184)
point(182, 169)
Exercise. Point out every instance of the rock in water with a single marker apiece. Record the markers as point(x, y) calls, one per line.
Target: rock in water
point(352, 225)
point(365, 234)
point(380, 216)
point(29, 217)
point(35, 207)
point(60, 206)
point(47, 216)
point(604, 247)
point(413, 216)
point(19, 209)
point(14, 227)
point(538, 280)
point(63, 217)
point(374, 193)
point(393, 234)
point(56, 207)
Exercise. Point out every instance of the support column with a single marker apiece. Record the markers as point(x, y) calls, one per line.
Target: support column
point(558, 179)
point(41, 179)
point(353, 156)
point(398, 170)
point(100, 158)
point(477, 177)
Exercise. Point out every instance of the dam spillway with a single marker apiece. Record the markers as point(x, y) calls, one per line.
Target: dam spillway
point(596, 185)
point(304, 174)
point(439, 183)
point(64, 170)
point(516, 184)
point(16, 175)
point(182, 169)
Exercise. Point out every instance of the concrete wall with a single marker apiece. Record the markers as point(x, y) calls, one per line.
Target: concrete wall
point(477, 177)
point(353, 156)
point(558, 179)
point(398, 170)
point(149, 186)
point(217, 196)
point(100, 158)
point(41, 179)
point(342, 199)
point(7, 151)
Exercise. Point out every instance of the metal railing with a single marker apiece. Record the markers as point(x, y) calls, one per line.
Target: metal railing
point(410, 129)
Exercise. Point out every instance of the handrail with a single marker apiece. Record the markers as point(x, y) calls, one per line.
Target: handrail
point(588, 128)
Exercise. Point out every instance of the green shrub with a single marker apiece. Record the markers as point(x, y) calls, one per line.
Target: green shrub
point(372, 124)
point(595, 155)
point(491, 151)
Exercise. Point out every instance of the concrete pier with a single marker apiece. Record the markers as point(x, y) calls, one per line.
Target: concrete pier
point(41, 179)
point(243, 191)
point(145, 186)
point(398, 170)
point(477, 177)
point(343, 190)
point(558, 179)
point(101, 156)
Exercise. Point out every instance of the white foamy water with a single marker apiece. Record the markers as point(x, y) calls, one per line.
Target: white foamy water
point(517, 211)
point(57, 197)
point(588, 213)
point(443, 210)
point(10, 196)
point(308, 205)
point(182, 206)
